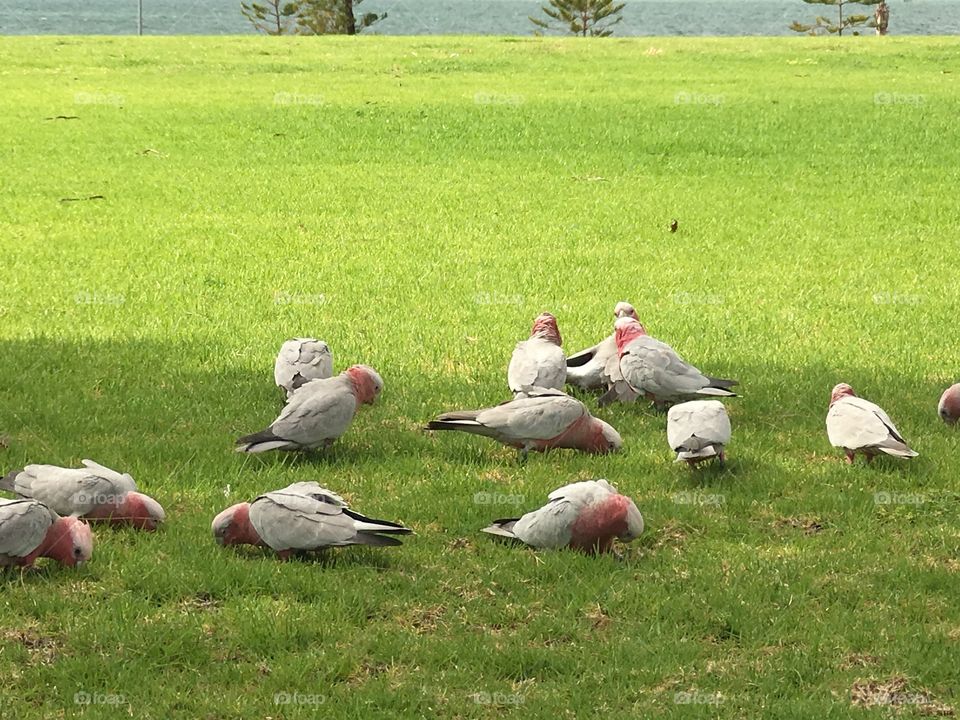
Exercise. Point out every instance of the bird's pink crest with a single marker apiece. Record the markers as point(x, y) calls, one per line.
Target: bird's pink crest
point(626, 330)
point(841, 390)
point(233, 526)
point(367, 383)
point(625, 309)
point(545, 327)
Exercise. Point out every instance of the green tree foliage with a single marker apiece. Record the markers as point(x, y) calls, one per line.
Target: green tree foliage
point(581, 17)
point(336, 17)
point(273, 17)
point(308, 17)
point(823, 25)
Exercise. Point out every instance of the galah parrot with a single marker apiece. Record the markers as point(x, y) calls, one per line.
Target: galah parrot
point(598, 367)
point(652, 368)
point(301, 517)
point(698, 430)
point(584, 516)
point(301, 360)
point(538, 362)
point(949, 408)
point(536, 421)
point(858, 426)
point(93, 492)
point(317, 413)
point(29, 530)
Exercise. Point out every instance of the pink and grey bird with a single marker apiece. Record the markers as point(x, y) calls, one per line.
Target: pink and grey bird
point(301, 517)
point(598, 367)
point(30, 530)
point(301, 360)
point(317, 413)
point(538, 362)
point(858, 426)
point(584, 516)
point(698, 430)
point(949, 407)
point(536, 421)
point(653, 369)
point(93, 492)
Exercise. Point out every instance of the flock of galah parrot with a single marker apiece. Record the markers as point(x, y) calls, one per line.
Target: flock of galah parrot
point(47, 518)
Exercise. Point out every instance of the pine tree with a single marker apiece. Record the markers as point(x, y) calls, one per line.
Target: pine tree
point(824, 25)
point(581, 17)
point(273, 17)
point(333, 17)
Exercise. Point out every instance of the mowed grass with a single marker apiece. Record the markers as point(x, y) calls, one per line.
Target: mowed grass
point(415, 203)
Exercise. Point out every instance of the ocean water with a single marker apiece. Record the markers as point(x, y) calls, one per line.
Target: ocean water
point(459, 17)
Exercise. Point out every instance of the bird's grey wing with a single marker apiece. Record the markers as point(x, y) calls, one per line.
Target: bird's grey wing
point(660, 370)
point(285, 367)
point(69, 491)
point(288, 521)
point(312, 417)
point(23, 525)
point(548, 527)
point(317, 491)
point(853, 425)
point(122, 481)
point(536, 417)
point(522, 370)
point(696, 424)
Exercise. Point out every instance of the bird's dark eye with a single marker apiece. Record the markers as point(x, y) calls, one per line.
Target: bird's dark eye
point(77, 551)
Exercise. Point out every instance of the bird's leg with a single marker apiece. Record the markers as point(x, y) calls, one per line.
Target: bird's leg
point(869, 457)
point(850, 456)
point(722, 458)
point(284, 555)
point(522, 457)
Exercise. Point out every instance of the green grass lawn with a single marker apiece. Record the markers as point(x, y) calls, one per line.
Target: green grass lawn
point(415, 203)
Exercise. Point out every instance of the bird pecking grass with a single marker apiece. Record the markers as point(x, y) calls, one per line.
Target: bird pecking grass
point(416, 202)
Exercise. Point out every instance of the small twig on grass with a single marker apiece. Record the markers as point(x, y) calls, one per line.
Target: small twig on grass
point(79, 199)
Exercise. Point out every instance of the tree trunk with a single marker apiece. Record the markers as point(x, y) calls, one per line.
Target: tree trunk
point(351, 20)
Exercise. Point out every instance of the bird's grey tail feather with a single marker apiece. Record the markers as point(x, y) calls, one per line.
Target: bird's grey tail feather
point(459, 415)
point(369, 538)
point(904, 452)
point(6, 483)
point(581, 358)
point(721, 383)
point(379, 526)
point(502, 528)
